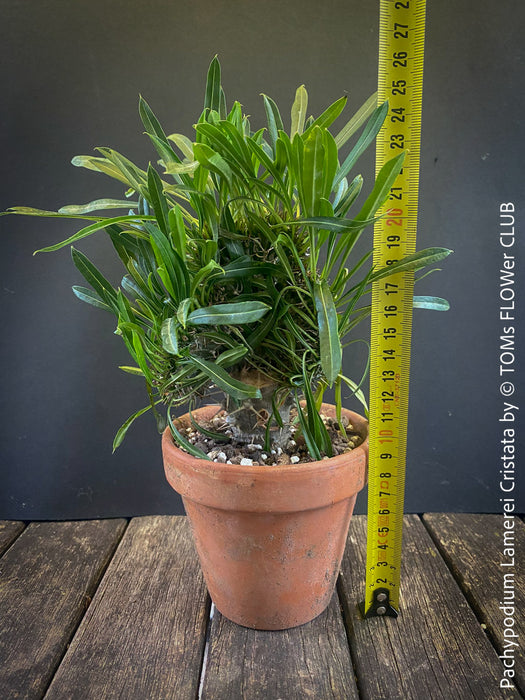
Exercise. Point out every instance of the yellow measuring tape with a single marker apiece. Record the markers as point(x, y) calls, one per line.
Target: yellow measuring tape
point(401, 48)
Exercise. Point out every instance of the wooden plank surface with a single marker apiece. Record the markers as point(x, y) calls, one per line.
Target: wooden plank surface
point(47, 578)
point(144, 633)
point(9, 531)
point(310, 661)
point(473, 546)
point(436, 648)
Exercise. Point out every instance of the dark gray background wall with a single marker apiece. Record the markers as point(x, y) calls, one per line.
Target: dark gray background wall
point(71, 73)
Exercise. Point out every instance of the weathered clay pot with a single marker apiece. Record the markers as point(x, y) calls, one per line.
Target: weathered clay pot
point(270, 539)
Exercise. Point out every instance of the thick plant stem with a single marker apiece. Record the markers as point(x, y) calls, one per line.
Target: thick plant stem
point(249, 419)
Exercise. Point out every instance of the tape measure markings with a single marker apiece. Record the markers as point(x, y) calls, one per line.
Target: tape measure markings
point(401, 48)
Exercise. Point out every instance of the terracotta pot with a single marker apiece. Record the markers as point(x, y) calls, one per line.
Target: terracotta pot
point(270, 539)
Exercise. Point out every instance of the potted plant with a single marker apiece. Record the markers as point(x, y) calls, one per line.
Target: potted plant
point(241, 283)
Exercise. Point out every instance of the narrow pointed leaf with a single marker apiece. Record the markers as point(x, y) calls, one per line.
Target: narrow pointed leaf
point(90, 297)
point(184, 143)
point(330, 114)
point(136, 371)
point(93, 228)
point(384, 181)
point(308, 437)
point(434, 303)
point(273, 117)
point(312, 173)
point(359, 118)
point(416, 261)
point(330, 344)
point(95, 278)
point(298, 113)
point(330, 223)
point(233, 387)
point(230, 357)
point(121, 433)
point(177, 230)
point(185, 168)
point(228, 314)
point(211, 160)
point(369, 133)
point(182, 442)
point(168, 334)
point(157, 199)
point(212, 99)
point(183, 310)
point(150, 121)
point(135, 177)
point(97, 205)
point(99, 165)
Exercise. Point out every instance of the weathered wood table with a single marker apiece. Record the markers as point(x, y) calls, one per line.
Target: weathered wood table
point(117, 609)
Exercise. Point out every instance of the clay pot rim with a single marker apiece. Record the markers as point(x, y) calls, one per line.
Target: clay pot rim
point(285, 470)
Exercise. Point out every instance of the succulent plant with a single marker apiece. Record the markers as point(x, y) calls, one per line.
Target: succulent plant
point(241, 275)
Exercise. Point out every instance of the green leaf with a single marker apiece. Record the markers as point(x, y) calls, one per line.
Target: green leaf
point(212, 99)
point(330, 344)
point(369, 133)
point(219, 437)
point(99, 165)
point(177, 230)
point(278, 181)
point(183, 310)
point(349, 196)
point(330, 165)
point(238, 162)
point(157, 199)
point(246, 267)
point(135, 177)
point(89, 296)
point(168, 334)
point(93, 228)
point(307, 434)
point(233, 387)
point(181, 168)
point(434, 303)
point(384, 181)
point(150, 121)
point(228, 314)
point(176, 277)
point(298, 113)
point(97, 205)
point(121, 433)
point(140, 355)
point(330, 223)
point(356, 121)
point(356, 391)
point(206, 273)
point(184, 143)
point(330, 114)
point(230, 357)
point(273, 117)
point(136, 371)
point(415, 261)
point(312, 172)
point(185, 444)
point(211, 160)
point(95, 278)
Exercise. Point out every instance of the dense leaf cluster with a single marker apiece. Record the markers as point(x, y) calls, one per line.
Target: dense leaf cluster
point(238, 255)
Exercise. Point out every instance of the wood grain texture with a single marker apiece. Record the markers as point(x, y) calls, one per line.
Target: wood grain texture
point(9, 531)
point(473, 547)
point(47, 578)
point(310, 661)
point(143, 636)
point(436, 648)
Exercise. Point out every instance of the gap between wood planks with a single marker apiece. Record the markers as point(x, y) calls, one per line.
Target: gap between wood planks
point(88, 602)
